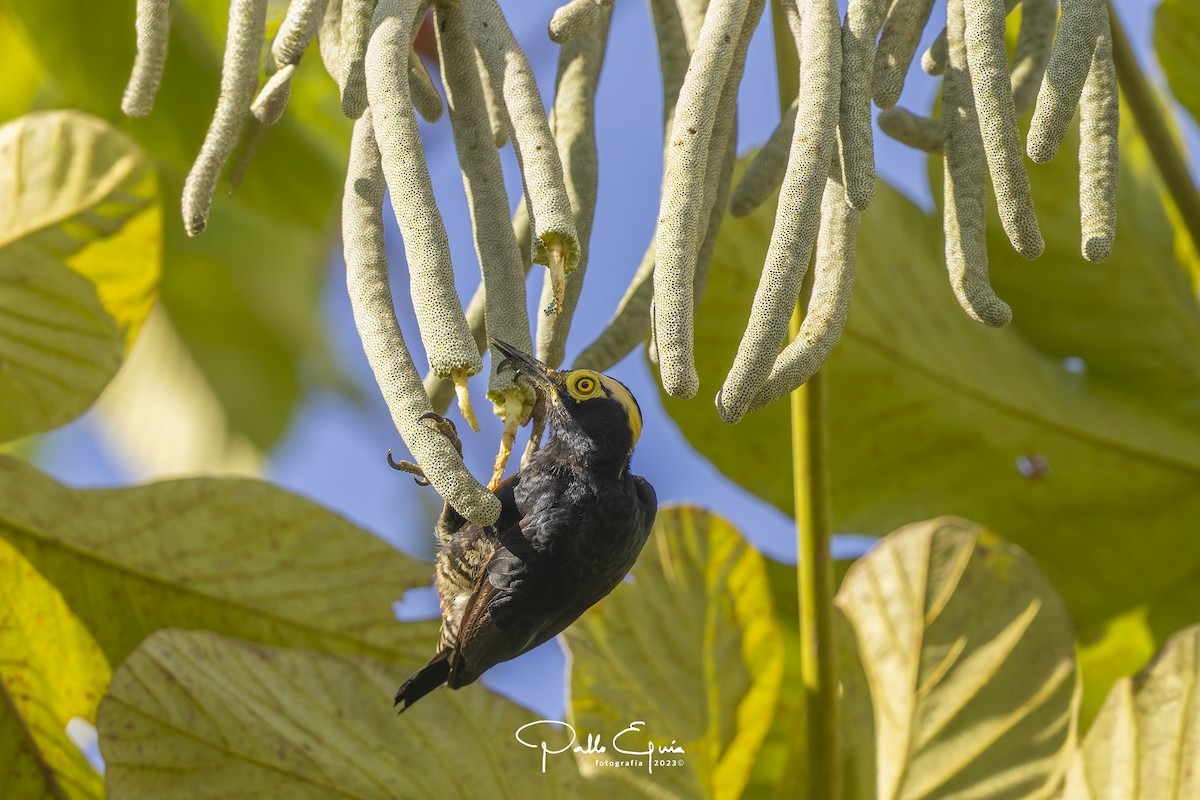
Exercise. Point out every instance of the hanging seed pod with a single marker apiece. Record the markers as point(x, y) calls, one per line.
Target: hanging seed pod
point(1034, 42)
point(576, 18)
point(677, 29)
point(829, 304)
point(765, 172)
point(500, 259)
point(497, 114)
point(441, 392)
point(272, 99)
point(239, 79)
point(356, 29)
point(573, 120)
point(425, 95)
point(329, 40)
point(555, 241)
point(988, 73)
point(1099, 157)
point(153, 32)
point(964, 170)
point(864, 18)
point(934, 60)
point(1070, 64)
point(383, 343)
point(448, 343)
point(295, 33)
point(818, 40)
point(684, 186)
point(897, 46)
point(914, 130)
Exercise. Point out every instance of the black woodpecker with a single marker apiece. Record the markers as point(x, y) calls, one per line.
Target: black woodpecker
point(572, 523)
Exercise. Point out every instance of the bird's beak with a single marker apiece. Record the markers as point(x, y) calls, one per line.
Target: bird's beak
point(540, 375)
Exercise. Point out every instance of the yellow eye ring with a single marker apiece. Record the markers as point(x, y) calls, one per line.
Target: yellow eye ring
point(585, 385)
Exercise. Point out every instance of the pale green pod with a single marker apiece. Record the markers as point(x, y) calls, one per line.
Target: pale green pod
point(682, 211)
point(964, 219)
point(573, 120)
point(933, 61)
point(997, 115)
point(1034, 42)
point(1070, 63)
point(673, 54)
point(1099, 156)
point(356, 26)
point(630, 325)
point(425, 95)
point(440, 391)
point(272, 99)
point(829, 304)
point(153, 28)
point(502, 289)
point(239, 81)
point(448, 342)
point(765, 172)
point(497, 114)
point(897, 44)
point(329, 40)
point(797, 217)
point(295, 33)
point(916, 131)
point(382, 340)
point(863, 20)
point(555, 242)
point(576, 18)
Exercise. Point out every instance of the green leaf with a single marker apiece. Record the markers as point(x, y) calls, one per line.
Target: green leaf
point(968, 655)
point(1146, 742)
point(1177, 43)
point(50, 671)
point(690, 647)
point(237, 556)
point(79, 263)
point(193, 714)
point(929, 412)
point(244, 296)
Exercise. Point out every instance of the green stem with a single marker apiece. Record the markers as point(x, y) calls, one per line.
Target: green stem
point(813, 510)
point(1143, 102)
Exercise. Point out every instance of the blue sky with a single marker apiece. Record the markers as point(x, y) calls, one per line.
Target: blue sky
point(334, 450)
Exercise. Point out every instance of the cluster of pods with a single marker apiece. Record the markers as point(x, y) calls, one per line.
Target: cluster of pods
point(820, 159)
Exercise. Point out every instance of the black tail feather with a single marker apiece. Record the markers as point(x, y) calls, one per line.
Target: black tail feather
point(427, 678)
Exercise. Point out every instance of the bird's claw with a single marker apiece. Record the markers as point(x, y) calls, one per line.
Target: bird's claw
point(443, 426)
point(409, 467)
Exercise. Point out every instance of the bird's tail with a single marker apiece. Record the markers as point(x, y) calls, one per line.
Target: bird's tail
point(428, 678)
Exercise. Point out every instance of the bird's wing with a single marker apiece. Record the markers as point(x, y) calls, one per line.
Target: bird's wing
point(500, 620)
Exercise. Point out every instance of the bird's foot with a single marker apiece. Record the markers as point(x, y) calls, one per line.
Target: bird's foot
point(442, 426)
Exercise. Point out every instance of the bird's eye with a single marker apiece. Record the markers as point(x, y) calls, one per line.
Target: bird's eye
point(583, 386)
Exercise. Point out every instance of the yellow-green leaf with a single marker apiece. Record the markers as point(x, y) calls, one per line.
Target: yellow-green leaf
point(192, 714)
point(968, 655)
point(58, 346)
point(1145, 744)
point(50, 671)
point(691, 648)
point(80, 201)
point(237, 556)
point(1177, 42)
point(81, 193)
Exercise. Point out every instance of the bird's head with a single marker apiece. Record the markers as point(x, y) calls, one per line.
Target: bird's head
point(583, 407)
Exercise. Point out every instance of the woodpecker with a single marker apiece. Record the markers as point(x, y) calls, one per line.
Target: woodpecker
point(571, 526)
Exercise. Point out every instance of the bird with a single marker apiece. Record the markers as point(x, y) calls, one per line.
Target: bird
point(572, 523)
